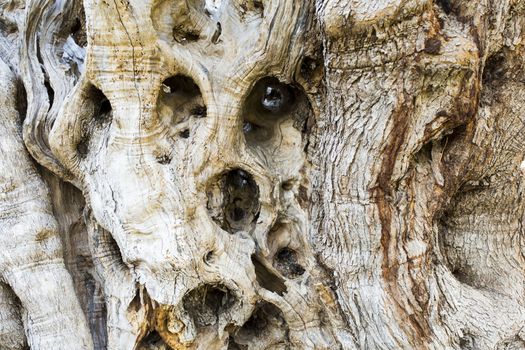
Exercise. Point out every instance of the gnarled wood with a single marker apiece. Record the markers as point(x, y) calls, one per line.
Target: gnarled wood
point(222, 174)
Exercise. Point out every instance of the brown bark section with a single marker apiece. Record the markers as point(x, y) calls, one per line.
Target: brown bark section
point(417, 326)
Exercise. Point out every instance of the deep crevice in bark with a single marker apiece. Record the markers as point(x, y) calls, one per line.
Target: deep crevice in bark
point(21, 100)
point(266, 278)
point(78, 28)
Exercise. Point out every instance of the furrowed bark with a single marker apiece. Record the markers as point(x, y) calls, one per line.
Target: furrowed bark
point(203, 174)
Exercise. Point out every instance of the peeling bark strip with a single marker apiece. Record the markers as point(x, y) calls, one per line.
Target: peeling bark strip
point(226, 174)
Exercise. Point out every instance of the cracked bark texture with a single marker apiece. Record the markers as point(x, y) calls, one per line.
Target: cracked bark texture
point(226, 174)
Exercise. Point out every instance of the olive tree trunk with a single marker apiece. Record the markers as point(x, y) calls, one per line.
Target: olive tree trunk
point(275, 174)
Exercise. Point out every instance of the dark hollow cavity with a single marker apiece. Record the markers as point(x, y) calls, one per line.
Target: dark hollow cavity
point(271, 99)
point(234, 201)
point(105, 107)
point(311, 69)
point(241, 199)
point(101, 105)
point(287, 185)
point(276, 97)
point(494, 69)
point(184, 36)
point(261, 319)
point(265, 326)
point(217, 34)
point(206, 303)
point(50, 93)
point(185, 133)
point(285, 262)
point(180, 101)
point(152, 341)
point(21, 100)
point(267, 105)
point(446, 5)
point(199, 112)
point(82, 148)
point(78, 27)
point(181, 84)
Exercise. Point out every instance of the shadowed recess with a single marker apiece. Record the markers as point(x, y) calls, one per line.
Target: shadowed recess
point(180, 105)
point(265, 329)
point(206, 303)
point(233, 201)
point(268, 279)
point(286, 262)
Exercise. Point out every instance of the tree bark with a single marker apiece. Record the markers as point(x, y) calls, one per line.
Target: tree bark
point(227, 174)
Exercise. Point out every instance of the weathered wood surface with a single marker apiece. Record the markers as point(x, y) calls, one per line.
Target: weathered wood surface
point(226, 174)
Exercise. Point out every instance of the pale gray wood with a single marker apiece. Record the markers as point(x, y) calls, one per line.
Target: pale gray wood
point(226, 174)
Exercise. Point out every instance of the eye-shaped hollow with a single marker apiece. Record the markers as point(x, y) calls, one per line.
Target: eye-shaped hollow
point(268, 104)
point(179, 103)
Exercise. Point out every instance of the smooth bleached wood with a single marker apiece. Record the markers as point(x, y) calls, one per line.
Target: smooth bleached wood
point(223, 174)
